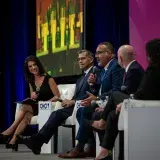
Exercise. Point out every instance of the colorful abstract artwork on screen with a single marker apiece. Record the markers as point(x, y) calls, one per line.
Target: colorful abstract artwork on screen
point(59, 35)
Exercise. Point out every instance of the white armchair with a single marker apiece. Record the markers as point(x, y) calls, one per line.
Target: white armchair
point(140, 122)
point(66, 92)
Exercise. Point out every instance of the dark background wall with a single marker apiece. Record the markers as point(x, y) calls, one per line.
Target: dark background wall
point(17, 42)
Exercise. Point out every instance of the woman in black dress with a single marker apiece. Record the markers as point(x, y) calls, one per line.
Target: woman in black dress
point(42, 87)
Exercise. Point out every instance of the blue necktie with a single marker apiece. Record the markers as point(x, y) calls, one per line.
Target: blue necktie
point(103, 73)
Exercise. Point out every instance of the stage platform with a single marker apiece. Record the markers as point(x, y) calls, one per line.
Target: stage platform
point(25, 154)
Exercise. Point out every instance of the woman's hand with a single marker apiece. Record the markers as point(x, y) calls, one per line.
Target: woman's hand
point(54, 99)
point(34, 95)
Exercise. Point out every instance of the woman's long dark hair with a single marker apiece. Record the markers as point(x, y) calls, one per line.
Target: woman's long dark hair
point(153, 51)
point(29, 76)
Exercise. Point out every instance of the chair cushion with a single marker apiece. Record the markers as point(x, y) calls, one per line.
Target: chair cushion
point(66, 90)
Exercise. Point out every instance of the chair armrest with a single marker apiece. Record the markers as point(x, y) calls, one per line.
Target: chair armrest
point(45, 108)
point(72, 119)
point(57, 106)
point(143, 103)
point(121, 115)
point(53, 104)
point(132, 103)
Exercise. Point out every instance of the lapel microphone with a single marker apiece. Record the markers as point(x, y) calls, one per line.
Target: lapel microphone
point(37, 91)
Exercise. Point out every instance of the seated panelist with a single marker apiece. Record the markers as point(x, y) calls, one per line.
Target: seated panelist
point(42, 87)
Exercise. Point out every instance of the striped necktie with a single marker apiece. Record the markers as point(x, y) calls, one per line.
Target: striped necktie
point(124, 77)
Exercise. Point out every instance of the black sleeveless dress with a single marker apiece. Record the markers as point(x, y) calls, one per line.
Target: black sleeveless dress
point(44, 93)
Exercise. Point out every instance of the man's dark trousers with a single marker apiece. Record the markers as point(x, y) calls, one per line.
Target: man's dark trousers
point(54, 121)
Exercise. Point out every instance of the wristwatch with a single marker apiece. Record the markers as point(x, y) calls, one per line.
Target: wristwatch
point(97, 98)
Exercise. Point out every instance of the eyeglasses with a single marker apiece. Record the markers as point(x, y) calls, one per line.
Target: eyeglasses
point(100, 52)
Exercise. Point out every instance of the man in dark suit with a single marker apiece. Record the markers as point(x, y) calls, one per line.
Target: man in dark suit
point(85, 60)
point(111, 76)
point(110, 80)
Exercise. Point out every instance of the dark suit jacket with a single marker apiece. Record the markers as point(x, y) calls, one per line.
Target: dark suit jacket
point(150, 85)
point(82, 86)
point(112, 80)
point(133, 78)
point(132, 81)
point(148, 90)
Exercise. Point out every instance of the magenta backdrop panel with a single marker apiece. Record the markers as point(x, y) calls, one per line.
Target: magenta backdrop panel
point(144, 19)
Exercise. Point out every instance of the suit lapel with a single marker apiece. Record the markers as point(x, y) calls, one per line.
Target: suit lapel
point(82, 81)
point(130, 67)
point(126, 76)
point(111, 63)
point(105, 72)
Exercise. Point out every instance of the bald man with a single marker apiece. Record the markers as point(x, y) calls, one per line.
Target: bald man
point(133, 70)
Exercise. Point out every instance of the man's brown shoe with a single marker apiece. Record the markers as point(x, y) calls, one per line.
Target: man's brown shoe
point(74, 153)
point(90, 152)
